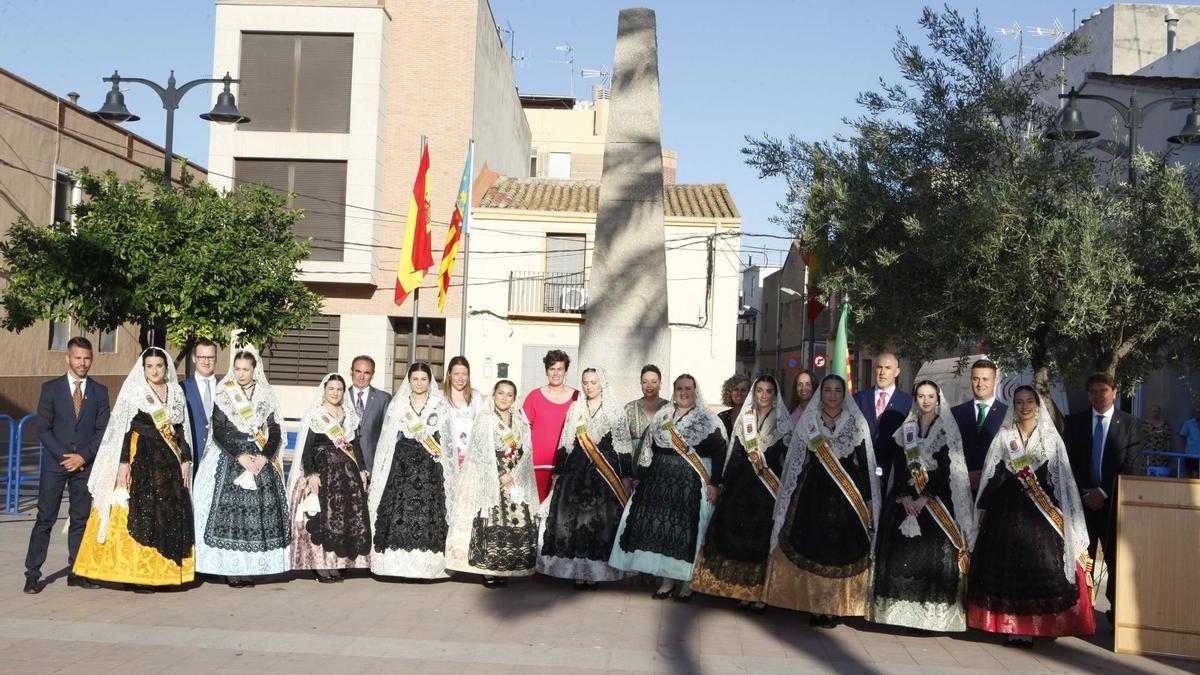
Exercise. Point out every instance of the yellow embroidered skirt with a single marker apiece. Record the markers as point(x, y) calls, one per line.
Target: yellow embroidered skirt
point(123, 559)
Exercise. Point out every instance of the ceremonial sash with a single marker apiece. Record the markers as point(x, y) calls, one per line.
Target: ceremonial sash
point(333, 429)
point(686, 452)
point(601, 463)
point(162, 421)
point(245, 410)
point(415, 425)
point(1023, 472)
point(834, 468)
point(757, 457)
point(941, 515)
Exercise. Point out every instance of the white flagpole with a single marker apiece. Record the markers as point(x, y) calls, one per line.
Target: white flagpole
point(462, 329)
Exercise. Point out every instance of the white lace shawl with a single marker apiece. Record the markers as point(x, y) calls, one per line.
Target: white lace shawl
point(131, 399)
point(610, 418)
point(777, 425)
point(849, 431)
point(1045, 445)
point(696, 425)
point(311, 424)
point(478, 488)
point(944, 433)
point(264, 401)
point(435, 417)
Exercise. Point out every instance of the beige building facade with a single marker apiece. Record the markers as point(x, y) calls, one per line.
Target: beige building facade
point(568, 136)
point(340, 93)
point(47, 139)
point(532, 242)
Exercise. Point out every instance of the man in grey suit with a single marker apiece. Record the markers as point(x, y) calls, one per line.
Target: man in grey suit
point(370, 403)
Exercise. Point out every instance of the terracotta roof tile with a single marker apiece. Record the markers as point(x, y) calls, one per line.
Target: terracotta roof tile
point(582, 196)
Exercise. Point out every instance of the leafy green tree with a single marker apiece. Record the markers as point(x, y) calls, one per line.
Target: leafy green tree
point(947, 218)
point(183, 263)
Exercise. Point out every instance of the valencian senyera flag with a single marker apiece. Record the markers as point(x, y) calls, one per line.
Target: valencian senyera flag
point(416, 255)
point(458, 227)
point(839, 360)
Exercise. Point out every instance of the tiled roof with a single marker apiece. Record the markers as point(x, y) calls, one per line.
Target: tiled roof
point(581, 196)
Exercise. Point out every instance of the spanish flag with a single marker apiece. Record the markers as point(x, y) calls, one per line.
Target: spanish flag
point(416, 255)
point(458, 226)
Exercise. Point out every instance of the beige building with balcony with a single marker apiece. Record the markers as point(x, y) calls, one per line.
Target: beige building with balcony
point(47, 139)
point(532, 243)
point(340, 93)
point(568, 135)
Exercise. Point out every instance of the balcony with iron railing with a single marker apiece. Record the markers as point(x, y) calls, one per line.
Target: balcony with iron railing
point(547, 296)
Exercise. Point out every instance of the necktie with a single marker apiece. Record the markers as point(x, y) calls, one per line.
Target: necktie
point(981, 416)
point(1097, 449)
point(358, 405)
point(77, 397)
point(881, 404)
point(207, 397)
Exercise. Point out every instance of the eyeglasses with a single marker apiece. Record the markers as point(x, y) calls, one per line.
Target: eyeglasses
point(205, 358)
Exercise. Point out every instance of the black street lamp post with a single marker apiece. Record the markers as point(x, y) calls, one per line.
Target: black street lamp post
point(224, 112)
point(1069, 124)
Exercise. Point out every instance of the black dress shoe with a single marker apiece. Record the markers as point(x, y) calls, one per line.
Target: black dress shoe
point(581, 585)
point(663, 595)
point(138, 588)
point(81, 582)
point(32, 586)
point(683, 597)
point(743, 605)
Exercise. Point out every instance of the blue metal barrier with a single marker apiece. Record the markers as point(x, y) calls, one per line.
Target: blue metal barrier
point(8, 472)
point(17, 476)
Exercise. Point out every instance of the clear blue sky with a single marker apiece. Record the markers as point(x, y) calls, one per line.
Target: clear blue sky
point(728, 69)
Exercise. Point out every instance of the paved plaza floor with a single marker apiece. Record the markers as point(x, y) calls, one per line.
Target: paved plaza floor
point(458, 626)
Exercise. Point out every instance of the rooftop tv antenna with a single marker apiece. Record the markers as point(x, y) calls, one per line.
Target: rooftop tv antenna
point(517, 59)
point(567, 49)
point(593, 73)
point(1018, 31)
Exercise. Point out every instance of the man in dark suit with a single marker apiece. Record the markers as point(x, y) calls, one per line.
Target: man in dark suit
point(370, 403)
point(885, 406)
point(980, 419)
point(199, 390)
point(1102, 443)
point(72, 414)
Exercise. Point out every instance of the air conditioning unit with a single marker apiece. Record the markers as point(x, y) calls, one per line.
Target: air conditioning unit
point(574, 299)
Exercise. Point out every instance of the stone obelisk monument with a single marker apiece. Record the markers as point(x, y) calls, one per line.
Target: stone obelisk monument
point(626, 325)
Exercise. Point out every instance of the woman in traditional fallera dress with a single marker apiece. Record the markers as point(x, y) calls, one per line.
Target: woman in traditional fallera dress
point(639, 412)
point(242, 520)
point(733, 561)
point(820, 560)
point(592, 480)
point(493, 529)
point(921, 549)
point(1029, 561)
point(140, 529)
point(465, 403)
point(328, 488)
point(663, 524)
point(412, 483)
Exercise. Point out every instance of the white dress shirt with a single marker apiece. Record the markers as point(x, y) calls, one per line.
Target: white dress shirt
point(71, 380)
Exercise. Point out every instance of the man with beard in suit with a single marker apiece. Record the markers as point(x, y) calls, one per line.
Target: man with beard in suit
point(72, 414)
point(979, 419)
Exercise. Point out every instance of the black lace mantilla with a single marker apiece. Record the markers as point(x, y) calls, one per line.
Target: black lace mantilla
point(822, 532)
point(412, 508)
point(246, 520)
point(584, 513)
point(1017, 567)
point(160, 510)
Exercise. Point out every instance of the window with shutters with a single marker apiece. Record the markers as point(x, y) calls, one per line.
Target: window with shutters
point(318, 187)
point(296, 82)
point(304, 356)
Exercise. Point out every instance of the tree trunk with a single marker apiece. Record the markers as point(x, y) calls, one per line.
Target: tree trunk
point(1039, 362)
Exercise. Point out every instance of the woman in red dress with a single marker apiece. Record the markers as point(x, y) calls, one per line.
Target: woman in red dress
point(1030, 542)
point(546, 409)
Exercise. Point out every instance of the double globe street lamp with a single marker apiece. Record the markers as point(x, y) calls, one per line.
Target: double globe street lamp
point(1069, 125)
point(224, 112)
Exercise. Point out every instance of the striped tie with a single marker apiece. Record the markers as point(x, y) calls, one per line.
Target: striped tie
point(77, 397)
